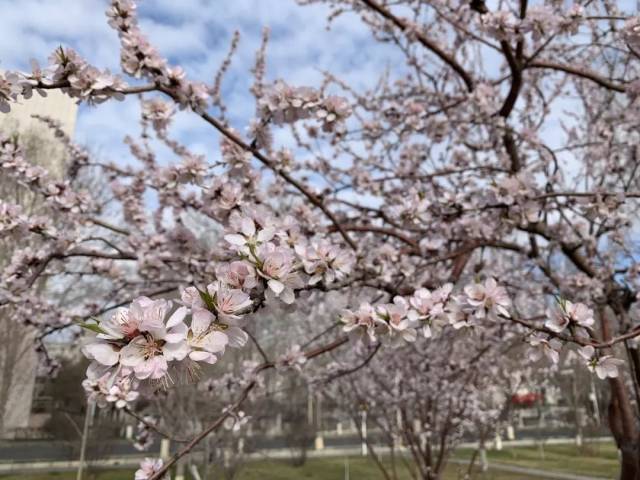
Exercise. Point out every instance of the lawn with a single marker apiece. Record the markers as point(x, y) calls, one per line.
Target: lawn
point(103, 475)
point(359, 469)
point(595, 459)
point(592, 459)
point(314, 469)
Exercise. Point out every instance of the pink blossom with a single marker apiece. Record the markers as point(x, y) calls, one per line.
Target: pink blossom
point(144, 435)
point(557, 321)
point(190, 297)
point(126, 325)
point(580, 314)
point(293, 358)
point(364, 321)
point(568, 313)
point(543, 346)
point(158, 112)
point(501, 24)
point(123, 392)
point(429, 306)
point(148, 354)
point(458, 316)
point(248, 239)
point(228, 302)
point(604, 366)
point(324, 261)
point(140, 338)
point(205, 338)
point(395, 314)
point(238, 274)
point(96, 387)
point(488, 299)
point(148, 468)
point(277, 267)
point(9, 91)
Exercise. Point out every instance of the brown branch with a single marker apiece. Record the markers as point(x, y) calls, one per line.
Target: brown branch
point(586, 74)
point(109, 226)
point(587, 194)
point(125, 91)
point(150, 425)
point(255, 342)
point(382, 231)
point(349, 371)
point(579, 341)
point(431, 45)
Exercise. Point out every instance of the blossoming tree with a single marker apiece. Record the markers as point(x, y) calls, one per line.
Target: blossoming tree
point(429, 396)
point(489, 184)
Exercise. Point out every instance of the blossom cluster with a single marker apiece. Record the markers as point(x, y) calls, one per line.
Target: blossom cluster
point(279, 258)
point(544, 345)
point(540, 21)
point(59, 194)
point(102, 389)
point(604, 366)
point(67, 71)
point(141, 59)
point(579, 319)
point(399, 321)
point(14, 220)
point(151, 338)
point(158, 112)
point(283, 103)
point(570, 315)
point(140, 342)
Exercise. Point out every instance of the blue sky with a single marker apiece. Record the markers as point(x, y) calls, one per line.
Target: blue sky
point(196, 35)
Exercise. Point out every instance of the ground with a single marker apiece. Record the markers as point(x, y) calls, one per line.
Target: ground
point(314, 469)
point(592, 459)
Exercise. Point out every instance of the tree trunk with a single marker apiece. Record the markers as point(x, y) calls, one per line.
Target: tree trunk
point(630, 461)
point(623, 418)
point(624, 429)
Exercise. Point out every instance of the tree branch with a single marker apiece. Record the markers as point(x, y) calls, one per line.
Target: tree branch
point(434, 47)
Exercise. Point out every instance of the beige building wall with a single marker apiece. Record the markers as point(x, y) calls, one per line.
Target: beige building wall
point(56, 105)
point(18, 359)
point(37, 139)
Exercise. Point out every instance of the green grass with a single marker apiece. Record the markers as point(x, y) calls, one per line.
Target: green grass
point(359, 469)
point(592, 459)
point(102, 475)
point(313, 469)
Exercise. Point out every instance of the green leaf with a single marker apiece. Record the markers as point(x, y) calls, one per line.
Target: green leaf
point(94, 327)
point(207, 299)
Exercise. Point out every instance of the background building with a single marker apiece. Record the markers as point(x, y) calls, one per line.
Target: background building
point(18, 360)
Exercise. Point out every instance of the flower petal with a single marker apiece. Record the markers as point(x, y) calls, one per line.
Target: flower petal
point(102, 352)
point(237, 337)
point(175, 351)
point(177, 317)
point(235, 239)
point(276, 286)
